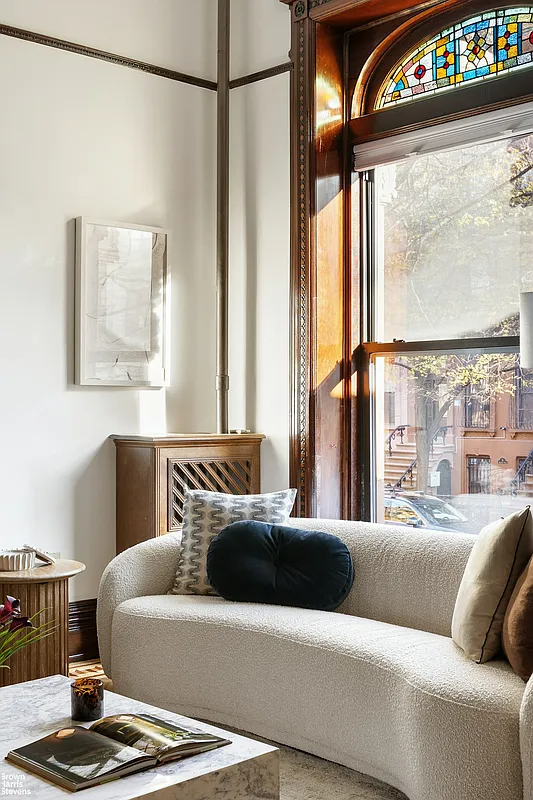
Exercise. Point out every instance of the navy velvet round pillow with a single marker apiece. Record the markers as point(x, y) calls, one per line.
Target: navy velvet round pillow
point(256, 562)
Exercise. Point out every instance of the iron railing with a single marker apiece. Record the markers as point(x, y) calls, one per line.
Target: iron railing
point(525, 468)
point(520, 418)
point(398, 431)
point(521, 403)
point(476, 414)
point(442, 433)
point(409, 472)
point(479, 475)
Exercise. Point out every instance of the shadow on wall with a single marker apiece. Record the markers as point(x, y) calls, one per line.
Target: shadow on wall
point(250, 204)
point(93, 523)
point(70, 284)
point(273, 466)
point(191, 397)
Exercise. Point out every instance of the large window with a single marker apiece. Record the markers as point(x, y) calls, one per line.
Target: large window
point(449, 247)
point(406, 279)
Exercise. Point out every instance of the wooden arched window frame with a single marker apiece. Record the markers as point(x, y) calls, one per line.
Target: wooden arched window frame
point(352, 44)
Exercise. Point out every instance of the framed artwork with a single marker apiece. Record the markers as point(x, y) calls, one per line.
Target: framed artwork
point(122, 304)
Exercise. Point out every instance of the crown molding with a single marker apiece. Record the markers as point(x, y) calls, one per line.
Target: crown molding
point(102, 55)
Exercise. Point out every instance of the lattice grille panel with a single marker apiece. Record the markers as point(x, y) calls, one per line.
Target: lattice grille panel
point(229, 476)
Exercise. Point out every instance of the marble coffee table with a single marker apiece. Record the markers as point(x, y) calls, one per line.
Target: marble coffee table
point(242, 770)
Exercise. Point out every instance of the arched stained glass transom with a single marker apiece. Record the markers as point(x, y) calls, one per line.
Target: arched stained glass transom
point(475, 49)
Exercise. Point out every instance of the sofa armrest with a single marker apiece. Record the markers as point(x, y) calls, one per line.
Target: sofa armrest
point(148, 568)
point(526, 739)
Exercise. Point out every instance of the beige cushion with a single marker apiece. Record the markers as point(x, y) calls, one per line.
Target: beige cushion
point(498, 558)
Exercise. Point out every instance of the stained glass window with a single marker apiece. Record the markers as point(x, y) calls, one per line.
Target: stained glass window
point(473, 50)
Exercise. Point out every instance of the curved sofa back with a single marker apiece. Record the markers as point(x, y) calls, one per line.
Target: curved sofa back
point(404, 577)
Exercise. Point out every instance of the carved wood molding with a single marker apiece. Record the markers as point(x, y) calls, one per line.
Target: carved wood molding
point(300, 9)
point(301, 127)
point(315, 8)
point(298, 357)
point(317, 3)
point(349, 14)
point(308, 5)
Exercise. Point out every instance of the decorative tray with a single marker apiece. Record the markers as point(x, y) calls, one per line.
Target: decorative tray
point(16, 560)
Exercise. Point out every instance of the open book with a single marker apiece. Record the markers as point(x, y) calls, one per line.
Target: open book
point(77, 758)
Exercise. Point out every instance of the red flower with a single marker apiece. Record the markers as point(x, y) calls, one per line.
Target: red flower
point(20, 622)
point(9, 610)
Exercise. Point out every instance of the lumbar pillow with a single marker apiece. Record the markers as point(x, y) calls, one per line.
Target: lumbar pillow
point(499, 556)
point(258, 563)
point(517, 635)
point(204, 516)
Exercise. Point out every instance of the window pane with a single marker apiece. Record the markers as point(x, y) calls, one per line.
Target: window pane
point(454, 235)
point(454, 447)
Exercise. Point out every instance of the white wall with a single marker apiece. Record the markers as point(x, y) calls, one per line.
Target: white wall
point(83, 137)
point(260, 35)
point(260, 226)
point(178, 34)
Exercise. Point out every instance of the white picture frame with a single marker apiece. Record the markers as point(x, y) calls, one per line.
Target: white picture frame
point(122, 304)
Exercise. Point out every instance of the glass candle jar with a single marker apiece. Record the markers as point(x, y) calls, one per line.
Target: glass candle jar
point(87, 699)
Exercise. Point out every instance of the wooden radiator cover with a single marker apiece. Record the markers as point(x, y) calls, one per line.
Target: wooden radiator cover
point(153, 474)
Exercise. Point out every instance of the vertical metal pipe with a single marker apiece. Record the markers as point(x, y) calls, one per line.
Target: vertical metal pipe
point(222, 279)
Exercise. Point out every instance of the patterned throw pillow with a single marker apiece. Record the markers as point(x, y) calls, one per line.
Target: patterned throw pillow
point(204, 516)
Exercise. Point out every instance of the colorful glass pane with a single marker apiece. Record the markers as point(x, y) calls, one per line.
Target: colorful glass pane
point(473, 50)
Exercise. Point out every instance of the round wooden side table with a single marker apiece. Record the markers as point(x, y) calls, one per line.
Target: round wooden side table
point(43, 588)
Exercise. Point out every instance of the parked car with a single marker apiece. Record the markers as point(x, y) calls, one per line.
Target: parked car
point(425, 511)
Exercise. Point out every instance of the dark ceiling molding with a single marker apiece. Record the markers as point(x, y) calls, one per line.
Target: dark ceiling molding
point(271, 72)
point(141, 66)
point(102, 55)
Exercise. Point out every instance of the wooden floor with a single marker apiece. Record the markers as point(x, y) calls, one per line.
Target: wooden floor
point(89, 669)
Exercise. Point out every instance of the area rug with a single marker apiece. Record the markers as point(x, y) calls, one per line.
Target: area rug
point(303, 777)
point(306, 777)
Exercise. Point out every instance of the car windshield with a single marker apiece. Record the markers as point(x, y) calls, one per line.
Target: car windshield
point(437, 511)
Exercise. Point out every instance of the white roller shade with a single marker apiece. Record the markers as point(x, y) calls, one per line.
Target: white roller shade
point(526, 330)
point(502, 124)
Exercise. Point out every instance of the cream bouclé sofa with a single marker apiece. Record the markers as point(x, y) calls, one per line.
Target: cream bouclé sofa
point(378, 686)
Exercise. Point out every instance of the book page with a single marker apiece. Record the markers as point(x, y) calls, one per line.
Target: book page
point(78, 755)
point(154, 736)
